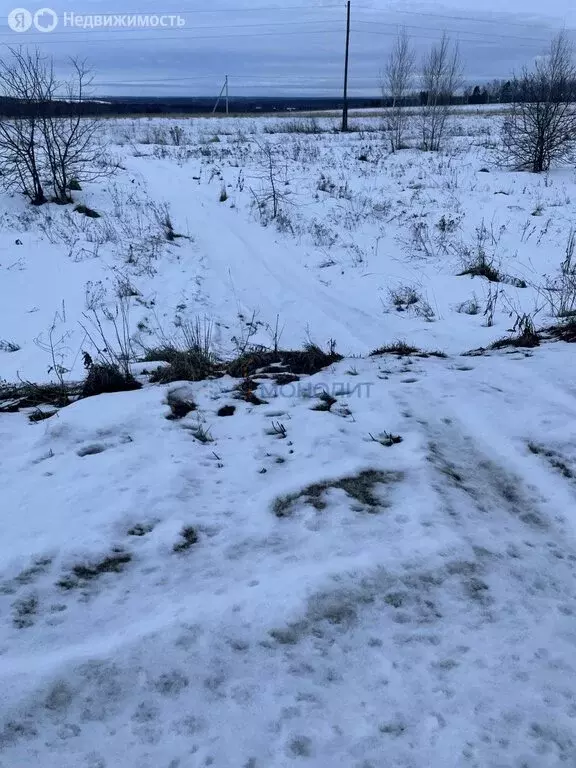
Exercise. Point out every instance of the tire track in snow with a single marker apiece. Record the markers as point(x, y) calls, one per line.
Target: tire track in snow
point(477, 456)
point(253, 268)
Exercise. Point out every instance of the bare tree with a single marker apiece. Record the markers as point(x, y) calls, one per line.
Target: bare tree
point(72, 141)
point(441, 77)
point(274, 193)
point(48, 139)
point(27, 81)
point(541, 127)
point(396, 83)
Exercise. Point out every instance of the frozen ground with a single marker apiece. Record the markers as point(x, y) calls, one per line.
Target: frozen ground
point(282, 586)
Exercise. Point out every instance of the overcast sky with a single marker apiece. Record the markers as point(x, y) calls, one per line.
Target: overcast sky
point(288, 47)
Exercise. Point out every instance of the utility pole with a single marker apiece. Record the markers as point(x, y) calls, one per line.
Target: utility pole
point(223, 91)
point(346, 60)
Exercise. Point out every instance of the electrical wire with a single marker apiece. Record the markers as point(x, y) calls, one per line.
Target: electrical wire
point(488, 36)
point(182, 37)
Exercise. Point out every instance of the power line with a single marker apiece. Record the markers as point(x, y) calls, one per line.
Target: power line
point(451, 17)
point(314, 10)
point(485, 41)
point(183, 34)
point(210, 11)
point(185, 37)
point(133, 30)
point(218, 76)
point(461, 32)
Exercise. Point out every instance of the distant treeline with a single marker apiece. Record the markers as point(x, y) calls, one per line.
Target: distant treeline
point(496, 92)
point(167, 106)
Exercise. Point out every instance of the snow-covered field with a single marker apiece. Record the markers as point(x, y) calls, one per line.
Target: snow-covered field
point(291, 584)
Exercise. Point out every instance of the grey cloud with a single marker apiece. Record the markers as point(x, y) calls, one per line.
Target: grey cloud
point(278, 50)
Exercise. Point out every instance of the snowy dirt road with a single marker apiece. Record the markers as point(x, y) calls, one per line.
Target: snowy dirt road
point(343, 602)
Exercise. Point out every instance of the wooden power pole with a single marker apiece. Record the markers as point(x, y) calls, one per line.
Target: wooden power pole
point(224, 90)
point(346, 60)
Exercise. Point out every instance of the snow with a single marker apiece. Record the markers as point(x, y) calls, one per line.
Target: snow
point(346, 603)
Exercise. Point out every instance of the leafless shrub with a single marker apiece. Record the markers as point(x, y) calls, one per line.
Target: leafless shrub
point(420, 240)
point(541, 126)
point(469, 307)
point(339, 191)
point(49, 138)
point(162, 215)
point(560, 291)
point(491, 304)
point(397, 82)
point(177, 135)
point(248, 328)
point(26, 79)
point(322, 235)
point(424, 310)
point(154, 135)
point(404, 296)
point(408, 298)
point(274, 192)
point(441, 76)
point(447, 225)
point(482, 259)
point(73, 146)
point(108, 328)
point(55, 344)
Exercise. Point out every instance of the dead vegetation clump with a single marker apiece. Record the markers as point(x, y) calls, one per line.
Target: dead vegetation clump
point(140, 529)
point(26, 394)
point(183, 365)
point(525, 335)
point(83, 573)
point(403, 349)
point(326, 402)
point(39, 415)
point(481, 257)
point(180, 404)
point(196, 363)
point(8, 346)
point(308, 361)
point(481, 267)
point(360, 487)
point(246, 391)
point(189, 537)
point(406, 298)
point(565, 331)
point(387, 439)
point(89, 212)
point(189, 357)
point(105, 378)
point(101, 378)
point(556, 461)
point(24, 611)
